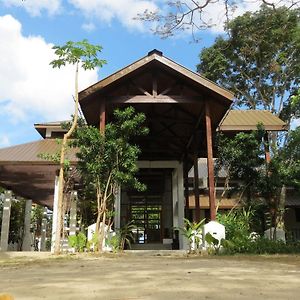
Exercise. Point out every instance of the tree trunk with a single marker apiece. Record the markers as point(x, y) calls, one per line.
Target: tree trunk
point(61, 171)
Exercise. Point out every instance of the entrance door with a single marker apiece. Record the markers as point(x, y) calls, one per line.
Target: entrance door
point(147, 219)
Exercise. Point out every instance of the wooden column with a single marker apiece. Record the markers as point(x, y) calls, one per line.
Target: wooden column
point(196, 189)
point(267, 148)
point(102, 117)
point(210, 164)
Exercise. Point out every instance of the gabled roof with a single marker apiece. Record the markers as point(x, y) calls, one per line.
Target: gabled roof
point(156, 56)
point(246, 120)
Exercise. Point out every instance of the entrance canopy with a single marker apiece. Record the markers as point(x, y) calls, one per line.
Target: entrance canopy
point(173, 99)
point(28, 175)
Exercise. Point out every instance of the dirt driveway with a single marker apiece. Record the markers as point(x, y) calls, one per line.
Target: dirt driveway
point(151, 277)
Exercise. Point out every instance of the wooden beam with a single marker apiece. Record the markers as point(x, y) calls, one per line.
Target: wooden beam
point(192, 137)
point(196, 188)
point(210, 163)
point(102, 117)
point(158, 99)
point(141, 89)
point(154, 85)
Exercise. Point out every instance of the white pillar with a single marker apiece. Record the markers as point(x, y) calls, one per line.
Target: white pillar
point(175, 198)
point(54, 214)
point(26, 246)
point(180, 189)
point(44, 230)
point(5, 221)
point(118, 208)
point(73, 213)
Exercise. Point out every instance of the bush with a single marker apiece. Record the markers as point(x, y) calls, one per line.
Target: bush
point(77, 241)
point(260, 246)
point(239, 240)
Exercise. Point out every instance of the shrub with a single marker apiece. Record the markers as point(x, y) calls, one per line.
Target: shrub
point(78, 241)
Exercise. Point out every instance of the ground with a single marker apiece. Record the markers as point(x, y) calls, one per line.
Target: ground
point(150, 276)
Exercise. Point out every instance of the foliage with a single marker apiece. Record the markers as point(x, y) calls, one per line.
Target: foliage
point(192, 231)
point(107, 160)
point(260, 60)
point(16, 228)
point(241, 157)
point(261, 245)
point(126, 235)
point(213, 243)
point(237, 224)
point(287, 160)
point(77, 241)
point(79, 54)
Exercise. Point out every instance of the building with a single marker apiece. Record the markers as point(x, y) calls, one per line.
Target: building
point(183, 111)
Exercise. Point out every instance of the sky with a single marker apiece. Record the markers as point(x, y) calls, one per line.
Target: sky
point(31, 91)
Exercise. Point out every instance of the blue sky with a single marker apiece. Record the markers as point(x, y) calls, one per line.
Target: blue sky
point(32, 92)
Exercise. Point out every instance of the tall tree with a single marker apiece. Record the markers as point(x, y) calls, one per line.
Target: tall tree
point(108, 160)
point(260, 60)
point(84, 55)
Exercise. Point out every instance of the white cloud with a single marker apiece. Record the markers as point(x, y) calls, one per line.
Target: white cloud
point(35, 7)
point(122, 10)
point(89, 27)
point(29, 85)
point(4, 141)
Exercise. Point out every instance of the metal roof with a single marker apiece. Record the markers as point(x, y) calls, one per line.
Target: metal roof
point(245, 120)
point(28, 153)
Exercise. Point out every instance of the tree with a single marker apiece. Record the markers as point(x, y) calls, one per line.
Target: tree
point(84, 55)
point(108, 160)
point(260, 60)
point(194, 16)
point(241, 158)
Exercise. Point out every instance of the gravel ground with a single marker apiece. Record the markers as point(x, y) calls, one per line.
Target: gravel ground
point(149, 276)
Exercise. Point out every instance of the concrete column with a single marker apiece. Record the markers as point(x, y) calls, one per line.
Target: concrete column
point(26, 246)
point(175, 198)
point(44, 230)
point(180, 182)
point(5, 221)
point(118, 209)
point(210, 163)
point(73, 213)
point(54, 213)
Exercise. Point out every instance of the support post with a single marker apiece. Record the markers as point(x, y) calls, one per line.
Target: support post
point(186, 187)
point(44, 230)
point(102, 117)
point(5, 221)
point(54, 214)
point(180, 206)
point(118, 208)
point(27, 239)
point(73, 213)
point(267, 148)
point(210, 164)
point(196, 189)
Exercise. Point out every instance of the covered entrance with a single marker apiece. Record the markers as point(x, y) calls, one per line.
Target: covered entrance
point(183, 110)
point(151, 212)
